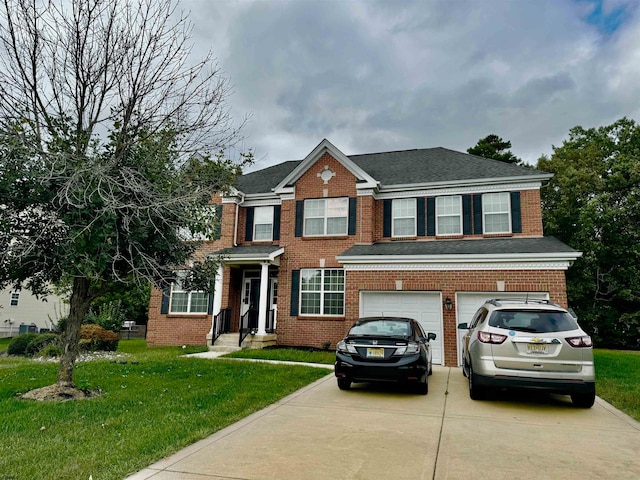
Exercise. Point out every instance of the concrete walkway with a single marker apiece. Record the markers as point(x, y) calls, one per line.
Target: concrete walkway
point(321, 432)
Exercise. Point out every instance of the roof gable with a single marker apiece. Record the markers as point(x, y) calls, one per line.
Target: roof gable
point(325, 146)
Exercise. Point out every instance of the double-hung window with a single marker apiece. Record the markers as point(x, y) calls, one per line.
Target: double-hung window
point(321, 291)
point(183, 301)
point(15, 297)
point(449, 215)
point(403, 212)
point(263, 224)
point(496, 212)
point(326, 216)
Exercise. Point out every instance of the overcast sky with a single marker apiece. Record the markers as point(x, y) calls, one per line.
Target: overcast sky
point(373, 76)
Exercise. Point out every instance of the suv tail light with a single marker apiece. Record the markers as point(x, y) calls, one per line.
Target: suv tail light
point(486, 337)
point(580, 342)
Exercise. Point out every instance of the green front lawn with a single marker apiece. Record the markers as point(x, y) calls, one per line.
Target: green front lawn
point(618, 379)
point(287, 354)
point(150, 407)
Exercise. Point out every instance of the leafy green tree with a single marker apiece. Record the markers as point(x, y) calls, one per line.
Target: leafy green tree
point(110, 147)
point(493, 146)
point(593, 204)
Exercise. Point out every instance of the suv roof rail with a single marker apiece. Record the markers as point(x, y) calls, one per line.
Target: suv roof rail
point(499, 301)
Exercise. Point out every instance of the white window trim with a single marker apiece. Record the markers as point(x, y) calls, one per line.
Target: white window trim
point(255, 223)
point(326, 218)
point(15, 296)
point(322, 292)
point(415, 219)
point(189, 297)
point(484, 213)
point(449, 215)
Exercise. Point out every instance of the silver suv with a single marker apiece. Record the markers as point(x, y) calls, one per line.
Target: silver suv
point(525, 343)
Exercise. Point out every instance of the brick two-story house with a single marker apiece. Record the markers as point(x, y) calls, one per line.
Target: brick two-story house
point(309, 246)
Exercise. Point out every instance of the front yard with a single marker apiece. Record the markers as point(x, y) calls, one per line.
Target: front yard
point(151, 406)
point(153, 403)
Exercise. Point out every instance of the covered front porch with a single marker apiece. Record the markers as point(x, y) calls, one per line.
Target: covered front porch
point(245, 300)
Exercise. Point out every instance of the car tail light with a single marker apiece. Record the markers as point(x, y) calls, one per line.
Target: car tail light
point(410, 349)
point(486, 337)
point(344, 347)
point(580, 342)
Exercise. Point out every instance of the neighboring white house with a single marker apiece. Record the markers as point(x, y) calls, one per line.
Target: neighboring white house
point(22, 308)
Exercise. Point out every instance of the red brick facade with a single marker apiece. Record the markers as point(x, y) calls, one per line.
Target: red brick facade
point(318, 252)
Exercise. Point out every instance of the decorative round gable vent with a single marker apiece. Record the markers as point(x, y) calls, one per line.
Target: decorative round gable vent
point(326, 174)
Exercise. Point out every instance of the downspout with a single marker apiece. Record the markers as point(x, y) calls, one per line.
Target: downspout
point(235, 226)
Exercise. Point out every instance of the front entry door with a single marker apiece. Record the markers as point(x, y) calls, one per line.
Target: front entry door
point(254, 302)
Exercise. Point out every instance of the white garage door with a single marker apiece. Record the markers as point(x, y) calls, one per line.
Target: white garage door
point(469, 302)
point(423, 306)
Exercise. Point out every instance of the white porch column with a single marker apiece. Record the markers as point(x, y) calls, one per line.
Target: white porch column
point(217, 295)
point(262, 305)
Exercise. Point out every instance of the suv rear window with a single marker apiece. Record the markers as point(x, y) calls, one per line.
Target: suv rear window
point(534, 321)
point(388, 328)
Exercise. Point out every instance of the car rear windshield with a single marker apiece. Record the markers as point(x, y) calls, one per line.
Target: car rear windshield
point(385, 328)
point(534, 321)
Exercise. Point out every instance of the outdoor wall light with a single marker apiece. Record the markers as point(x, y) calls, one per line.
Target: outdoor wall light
point(448, 304)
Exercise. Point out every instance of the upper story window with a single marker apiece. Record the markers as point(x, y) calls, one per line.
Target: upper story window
point(403, 212)
point(496, 213)
point(449, 215)
point(183, 301)
point(326, 216)
point(263, 224)
point(321, 291)
point(15, 297)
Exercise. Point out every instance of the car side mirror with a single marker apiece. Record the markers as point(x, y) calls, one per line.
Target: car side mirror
point(463, 326)
point(431, 336)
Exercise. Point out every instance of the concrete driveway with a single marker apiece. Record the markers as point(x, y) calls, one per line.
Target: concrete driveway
point(369, 433)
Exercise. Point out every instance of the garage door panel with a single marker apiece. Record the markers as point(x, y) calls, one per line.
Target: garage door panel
point(423, 306)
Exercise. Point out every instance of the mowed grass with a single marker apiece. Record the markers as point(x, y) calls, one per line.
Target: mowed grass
point(618, 379)
point(148, 409)
point(287, 354)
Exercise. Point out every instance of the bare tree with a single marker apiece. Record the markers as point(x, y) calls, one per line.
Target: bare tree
point(110, 145)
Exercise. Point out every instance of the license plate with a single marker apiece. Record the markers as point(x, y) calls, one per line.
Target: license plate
point(375, 352)
point(536, 348)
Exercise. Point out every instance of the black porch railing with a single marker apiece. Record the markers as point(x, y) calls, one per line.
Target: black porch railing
point(221, 324)
point(249, 323)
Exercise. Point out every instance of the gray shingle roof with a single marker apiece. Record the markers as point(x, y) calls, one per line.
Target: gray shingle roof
point(426, 165)
point(248, 250)
point(489, 246)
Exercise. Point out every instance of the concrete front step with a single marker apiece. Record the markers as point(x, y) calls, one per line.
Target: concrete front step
point(227, 342)
point(223, 349)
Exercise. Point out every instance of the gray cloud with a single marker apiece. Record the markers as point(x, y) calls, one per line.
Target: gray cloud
point(373, 76)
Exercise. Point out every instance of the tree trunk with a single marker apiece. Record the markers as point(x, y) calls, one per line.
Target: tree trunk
point(78, 309)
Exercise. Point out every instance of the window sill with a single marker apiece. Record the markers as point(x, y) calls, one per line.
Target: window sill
point(449, 237)
point(496, 235)
point(323, 318)
point(187, 315)
point(409, 237)
point(326, 237)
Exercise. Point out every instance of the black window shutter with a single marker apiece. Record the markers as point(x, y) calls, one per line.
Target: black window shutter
point(386, 218)
point(431, 216)
point(420, 216)
point(299, 217)
point(216, 232)
point(210, 304)
point(477, 214)
point(276, 222)
point(466, 215)
point(295, 292)
point(352, 215)
point(248, 231)
point(516, 216)
point(164, 306)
